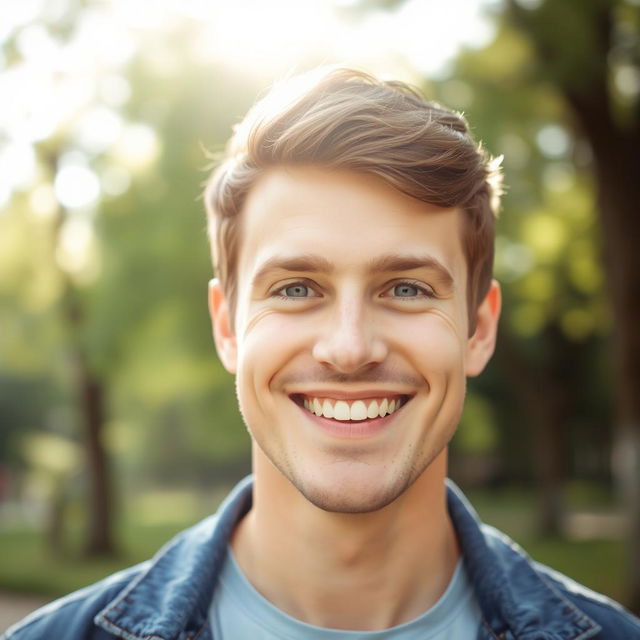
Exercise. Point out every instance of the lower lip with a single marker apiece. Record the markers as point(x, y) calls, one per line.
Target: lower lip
point(348, 429)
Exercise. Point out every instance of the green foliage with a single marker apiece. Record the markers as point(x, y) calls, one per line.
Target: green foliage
point(23, 402)
point(476, 433)
point(144, 320)
point(568, 32)
point(556, 322)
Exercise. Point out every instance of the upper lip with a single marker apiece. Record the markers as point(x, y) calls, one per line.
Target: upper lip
point(341, 394)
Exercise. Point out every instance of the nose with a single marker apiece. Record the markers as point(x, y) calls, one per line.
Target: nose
point(350, 341)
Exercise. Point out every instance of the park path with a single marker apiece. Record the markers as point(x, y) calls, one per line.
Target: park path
point(14, 607)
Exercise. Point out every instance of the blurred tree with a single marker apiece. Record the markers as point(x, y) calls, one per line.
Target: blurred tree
point(590, 52)
point(23, 399)
point(104, 255)
point(546, 259)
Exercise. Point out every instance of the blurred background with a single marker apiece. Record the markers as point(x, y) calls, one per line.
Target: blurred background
point(118, 426)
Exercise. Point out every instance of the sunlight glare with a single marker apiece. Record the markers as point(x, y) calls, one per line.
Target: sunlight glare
point(429, 34)
point(76, 252)
point(282, 35)
point(99, 41)
point(5, 194)
point(115, 90)
point(137, 147)
point(257, 36)
point(18, 165)
point(98, 129)
point(42, 201)
point(15, 14)
point(35, 42)
point(31, 115)
point(76, 187)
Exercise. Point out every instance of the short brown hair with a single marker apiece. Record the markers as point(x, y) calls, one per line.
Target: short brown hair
point(346, 119)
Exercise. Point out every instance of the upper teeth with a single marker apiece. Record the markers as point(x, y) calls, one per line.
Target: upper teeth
point(351, 410)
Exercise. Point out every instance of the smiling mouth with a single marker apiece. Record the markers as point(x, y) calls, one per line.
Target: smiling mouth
point(351, 410)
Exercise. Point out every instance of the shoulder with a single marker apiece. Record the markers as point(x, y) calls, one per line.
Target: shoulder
point(518, 593)
point(617, 622)
point(72, 616)
point(568, 597)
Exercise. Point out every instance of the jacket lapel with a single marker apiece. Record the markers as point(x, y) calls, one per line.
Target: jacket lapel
point(517, 600)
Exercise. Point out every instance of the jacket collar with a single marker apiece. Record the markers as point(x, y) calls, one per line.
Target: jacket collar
point(171, 598)
point(516, 599)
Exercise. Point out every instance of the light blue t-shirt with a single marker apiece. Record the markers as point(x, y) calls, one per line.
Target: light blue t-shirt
point(239, 612)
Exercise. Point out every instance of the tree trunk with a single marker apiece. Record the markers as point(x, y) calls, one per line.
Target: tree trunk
point(546, 391)
point(99, 539)
point(90, 392)
point(619, 195)
point(56, 519)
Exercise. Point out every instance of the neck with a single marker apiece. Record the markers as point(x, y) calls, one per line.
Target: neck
point(348, 571)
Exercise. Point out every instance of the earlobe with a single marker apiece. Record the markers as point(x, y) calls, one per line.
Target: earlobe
point(481, 344)
point(223, 333)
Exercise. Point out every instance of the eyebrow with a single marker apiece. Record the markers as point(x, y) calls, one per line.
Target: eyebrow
point(308, 263)
point(399, 262)
point(311, 263)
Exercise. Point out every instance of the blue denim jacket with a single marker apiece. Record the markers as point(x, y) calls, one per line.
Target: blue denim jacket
point(168, 598)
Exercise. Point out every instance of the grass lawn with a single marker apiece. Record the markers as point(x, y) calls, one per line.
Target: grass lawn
point(27, 566)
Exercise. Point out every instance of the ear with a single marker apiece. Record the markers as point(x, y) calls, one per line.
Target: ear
point(481, 344)
point(223, 334)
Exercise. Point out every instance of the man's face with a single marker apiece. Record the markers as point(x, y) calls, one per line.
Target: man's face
point(350, 342)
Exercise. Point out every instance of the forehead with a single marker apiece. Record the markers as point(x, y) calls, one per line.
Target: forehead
point(347, 218)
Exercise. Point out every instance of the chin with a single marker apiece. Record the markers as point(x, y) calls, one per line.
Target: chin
point(353, 493)
point(350, 504)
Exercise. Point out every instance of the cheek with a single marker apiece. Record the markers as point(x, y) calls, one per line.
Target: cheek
point(433, 343)
point(268, 343)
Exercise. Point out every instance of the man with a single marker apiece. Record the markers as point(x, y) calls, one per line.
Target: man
point(352, 230)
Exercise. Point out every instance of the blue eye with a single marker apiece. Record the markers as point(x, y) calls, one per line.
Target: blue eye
point(406, 290)
point(409, 290)
point(295, 291)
